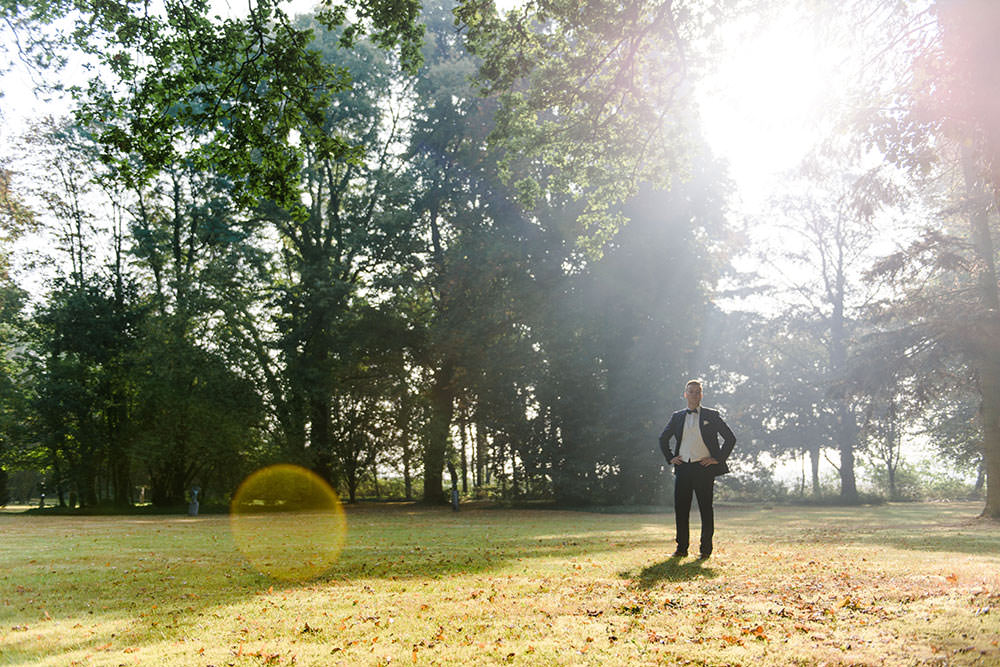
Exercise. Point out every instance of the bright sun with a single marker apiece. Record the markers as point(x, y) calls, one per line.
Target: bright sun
point(762, 106)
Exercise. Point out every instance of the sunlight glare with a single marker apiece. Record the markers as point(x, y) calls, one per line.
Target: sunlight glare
point(763, 106)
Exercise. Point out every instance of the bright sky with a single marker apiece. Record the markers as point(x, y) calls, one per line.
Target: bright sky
point(762, 107)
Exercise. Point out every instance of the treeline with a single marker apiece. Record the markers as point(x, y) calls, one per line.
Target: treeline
point(410, 314)
point(483, 248)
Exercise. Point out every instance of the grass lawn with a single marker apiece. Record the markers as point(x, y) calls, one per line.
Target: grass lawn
point(897, 584)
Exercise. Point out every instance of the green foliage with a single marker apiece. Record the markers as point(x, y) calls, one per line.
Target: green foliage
point(224, 95)
point(593, 101)
point(82, 340)
point(15, 385)
point(338, 252)
point(924, 481)
point(196, 421)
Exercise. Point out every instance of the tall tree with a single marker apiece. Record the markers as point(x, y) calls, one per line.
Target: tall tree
point(831, 231)
point(471, 227)
point(354, 230)
point(938, 119)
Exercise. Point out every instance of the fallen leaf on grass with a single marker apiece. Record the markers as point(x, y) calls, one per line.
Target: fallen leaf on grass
point(756, 633)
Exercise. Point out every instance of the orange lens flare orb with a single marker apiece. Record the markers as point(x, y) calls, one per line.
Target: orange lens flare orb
point(288, 522)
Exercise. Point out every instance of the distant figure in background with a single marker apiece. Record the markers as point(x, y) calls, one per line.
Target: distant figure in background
point(193, 505)
point(697, 461)
point(454, 486)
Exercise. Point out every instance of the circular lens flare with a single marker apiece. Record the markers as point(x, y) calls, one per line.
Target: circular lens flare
point(288, 522)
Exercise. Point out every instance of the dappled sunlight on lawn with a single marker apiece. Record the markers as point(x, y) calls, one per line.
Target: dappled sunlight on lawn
point(934, 527)
point(785, 583)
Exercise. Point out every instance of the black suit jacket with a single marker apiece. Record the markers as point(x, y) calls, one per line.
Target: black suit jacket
point(712, 427)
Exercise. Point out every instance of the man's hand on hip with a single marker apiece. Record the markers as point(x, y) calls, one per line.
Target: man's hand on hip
point(677, 460)
point(707, 461)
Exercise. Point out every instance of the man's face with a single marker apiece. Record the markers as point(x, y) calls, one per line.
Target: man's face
point(693, 395)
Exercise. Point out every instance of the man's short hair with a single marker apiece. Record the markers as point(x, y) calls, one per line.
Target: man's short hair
point(696, 382)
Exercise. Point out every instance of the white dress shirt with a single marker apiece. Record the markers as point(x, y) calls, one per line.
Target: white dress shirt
point(692, 445)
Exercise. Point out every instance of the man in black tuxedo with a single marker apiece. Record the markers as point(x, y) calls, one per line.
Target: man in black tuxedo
point(697, 461)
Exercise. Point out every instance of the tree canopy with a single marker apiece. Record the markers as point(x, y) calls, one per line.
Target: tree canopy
point(386, 239)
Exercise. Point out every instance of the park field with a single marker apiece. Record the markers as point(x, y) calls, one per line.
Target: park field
point(899, 584)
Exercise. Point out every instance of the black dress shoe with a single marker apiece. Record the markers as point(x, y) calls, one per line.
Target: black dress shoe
point(704, 556)
point(679, 554)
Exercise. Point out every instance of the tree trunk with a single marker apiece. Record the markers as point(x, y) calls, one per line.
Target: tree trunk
point(514, 477)
point(989, 386)
point(480, 480)
point(442, 402)
point(848, 483)
point(846, 426)
point(463, 433)
point(407, 475)
point(814, 464)
point(892, 447)
point(802, 477)
point(378, 491)
point(986, 333)
point(352, 489)
point(319, 437)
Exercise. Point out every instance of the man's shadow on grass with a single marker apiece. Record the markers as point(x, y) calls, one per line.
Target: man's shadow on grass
point(672, 569)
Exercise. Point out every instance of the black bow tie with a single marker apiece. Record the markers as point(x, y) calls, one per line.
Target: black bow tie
point(689, 411)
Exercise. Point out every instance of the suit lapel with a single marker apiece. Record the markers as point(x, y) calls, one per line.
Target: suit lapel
point(681, 416)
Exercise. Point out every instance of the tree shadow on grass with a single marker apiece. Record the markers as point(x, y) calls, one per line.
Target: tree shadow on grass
point(159, 575)
point(672, 569)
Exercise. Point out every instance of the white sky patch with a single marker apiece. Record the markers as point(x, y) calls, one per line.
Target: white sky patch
point(763, 104)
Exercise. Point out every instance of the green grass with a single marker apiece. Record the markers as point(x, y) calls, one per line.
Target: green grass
point(896, 584)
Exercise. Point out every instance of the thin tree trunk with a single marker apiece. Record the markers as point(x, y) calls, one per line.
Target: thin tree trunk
point(480, 480)
point(407, 475)
point(814, 463)
point(514, 477)
point(464, 440)
point(319, 437)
